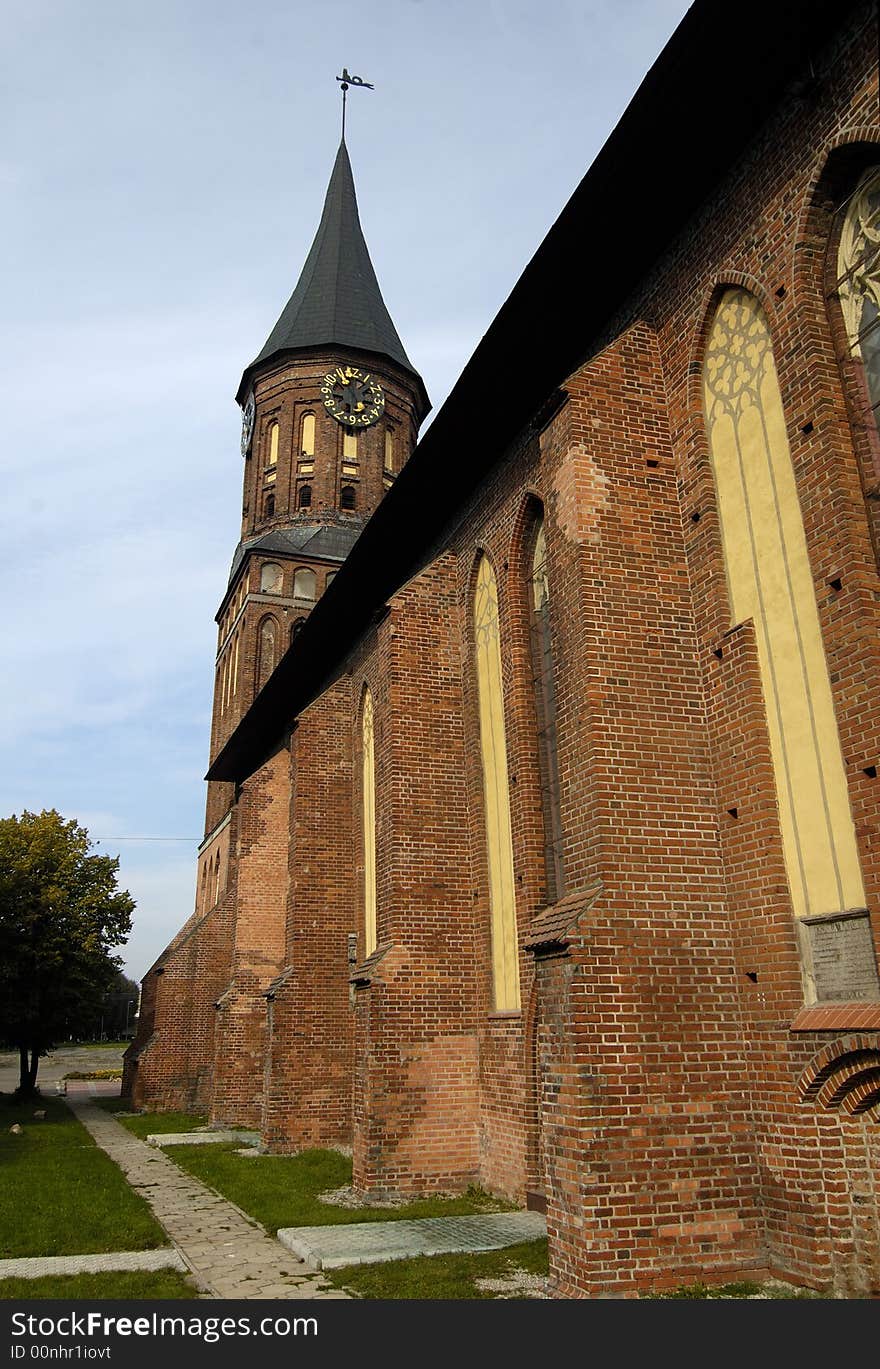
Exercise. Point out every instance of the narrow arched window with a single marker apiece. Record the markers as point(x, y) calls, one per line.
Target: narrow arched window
point(272, 462)
point(304, 584)
point(203, 902)
point(368, 777)
point(296, 628)
point(271, 578)
point(235, 666)
point(307, 436)
point(225, 698)
point(770, 582)
point(304, 500)
point(348, 499)
point(217, 877)
point(269, 506)
point(858, 284)
point(496, 793)
point(389, 450)
point(267, 642)
point(545, 710)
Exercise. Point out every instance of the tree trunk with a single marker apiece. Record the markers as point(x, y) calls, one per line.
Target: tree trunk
point(29, 1063)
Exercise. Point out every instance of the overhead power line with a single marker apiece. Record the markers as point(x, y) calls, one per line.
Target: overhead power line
point(195, 839)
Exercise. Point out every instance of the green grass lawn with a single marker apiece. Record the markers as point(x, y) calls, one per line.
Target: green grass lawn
point(61, 1195)
point(164, 1283)
point(282, 1190)
point(440, 1276)
point(144, 1124)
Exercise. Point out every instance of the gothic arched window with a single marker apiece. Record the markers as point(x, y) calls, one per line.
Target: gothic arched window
point(235, 666)
point(304, 583)
point(770, 583)
point(858, 283)
point(545, 709)
point(348, 499)
point(266, 651)
point(496, 792)
point(368, 785)
point(272, 462)
point(304, 501)
point(271, 578)
point(307, 436)
point(269, 506)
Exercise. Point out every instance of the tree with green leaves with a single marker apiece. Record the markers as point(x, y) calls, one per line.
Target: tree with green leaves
point(61, 915)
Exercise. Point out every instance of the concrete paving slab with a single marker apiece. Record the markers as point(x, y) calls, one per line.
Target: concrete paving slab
point(202, 1138)
point(334, 1247)
point(38, 1266)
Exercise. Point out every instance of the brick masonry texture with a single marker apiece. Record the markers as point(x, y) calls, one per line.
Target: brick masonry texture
point(667, 1090)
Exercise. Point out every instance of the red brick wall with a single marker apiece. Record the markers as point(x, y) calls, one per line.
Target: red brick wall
point(415, 1085)
point(263, 810)
point(308, 1100)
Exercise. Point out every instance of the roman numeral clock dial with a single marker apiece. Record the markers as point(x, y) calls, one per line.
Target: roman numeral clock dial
point(352, 397)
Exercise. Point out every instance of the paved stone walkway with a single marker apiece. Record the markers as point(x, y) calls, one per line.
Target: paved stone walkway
point(334, 1247)
point(37, 1266)
point(229, 1254)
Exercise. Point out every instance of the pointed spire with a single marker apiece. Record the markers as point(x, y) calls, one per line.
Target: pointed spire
point(337, 300)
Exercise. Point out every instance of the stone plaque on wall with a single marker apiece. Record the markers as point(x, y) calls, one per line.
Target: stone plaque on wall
point(840, 951)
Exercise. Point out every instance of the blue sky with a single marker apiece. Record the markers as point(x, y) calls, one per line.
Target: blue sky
point(162, 175)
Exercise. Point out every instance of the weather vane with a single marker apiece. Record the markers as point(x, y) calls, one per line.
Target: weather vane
point(347, 81)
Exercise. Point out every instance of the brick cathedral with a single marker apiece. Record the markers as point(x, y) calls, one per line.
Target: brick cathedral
point(542, 847)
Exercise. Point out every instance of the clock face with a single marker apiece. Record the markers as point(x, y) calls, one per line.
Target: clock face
point(352, 396)
point(247, 423)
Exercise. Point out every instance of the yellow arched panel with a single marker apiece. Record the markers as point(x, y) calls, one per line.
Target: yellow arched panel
point(770, 581)
point(307, 447)
point(493, 748)
point(369, 806)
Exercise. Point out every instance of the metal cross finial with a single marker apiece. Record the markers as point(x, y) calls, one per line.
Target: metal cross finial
point(347, 81)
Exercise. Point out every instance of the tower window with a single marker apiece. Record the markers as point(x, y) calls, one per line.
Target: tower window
point(273, 451)
point(389, 450)
point(269, 506)
point(304, 500)
point(348, 498)
point(304, 582)
point(271, 578)
point(307, 436)
point(349, 446)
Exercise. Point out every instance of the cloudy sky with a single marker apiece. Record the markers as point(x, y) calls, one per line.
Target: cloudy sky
point(163, 171)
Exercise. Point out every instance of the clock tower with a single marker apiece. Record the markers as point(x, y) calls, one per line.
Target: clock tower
point(331, 408)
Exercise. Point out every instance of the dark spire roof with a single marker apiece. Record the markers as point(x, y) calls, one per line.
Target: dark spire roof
point(337, 299)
